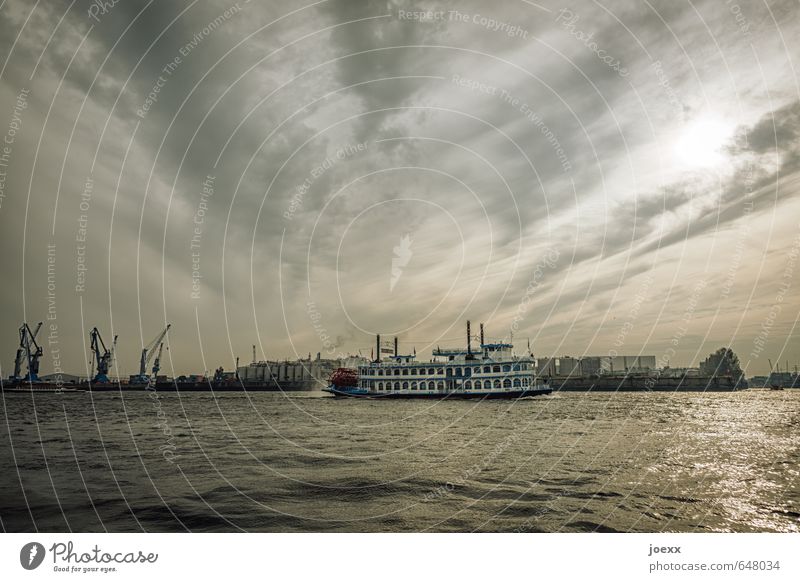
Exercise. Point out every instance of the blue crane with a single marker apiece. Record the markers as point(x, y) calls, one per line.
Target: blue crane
point(102, 360)
point(148, 353)
point(28, 353)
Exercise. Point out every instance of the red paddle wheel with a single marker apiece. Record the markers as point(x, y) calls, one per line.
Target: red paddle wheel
point(344, 378)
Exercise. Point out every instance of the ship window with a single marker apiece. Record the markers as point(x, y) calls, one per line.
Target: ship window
point(517, 383)
point(405, 385)
point(440, 386)
point(405, 371)
point(477, 384)
point(397, 385)
point(449, 372)
point(486, 369)
point(396, 372)
point(431, 371)
point(440, 371)
point(380, 372)
point(507, 383)
point(497, 383)
point(495, 368)
point(524, 381)
point(468, 385)
point(468, 372)
point(506, 368)
point(413, 385)
point(380, 385)
point(459, 372)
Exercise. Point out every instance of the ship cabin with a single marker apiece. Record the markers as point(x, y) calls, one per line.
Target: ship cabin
point(494, 368)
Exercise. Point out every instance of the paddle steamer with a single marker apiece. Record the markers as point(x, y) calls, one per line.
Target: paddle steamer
point(493, 371)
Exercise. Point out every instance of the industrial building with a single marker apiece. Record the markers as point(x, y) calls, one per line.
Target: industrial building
point(595, 365)
point(296, 375)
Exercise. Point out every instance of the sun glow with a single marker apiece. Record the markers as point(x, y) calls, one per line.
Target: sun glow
point(701, 142)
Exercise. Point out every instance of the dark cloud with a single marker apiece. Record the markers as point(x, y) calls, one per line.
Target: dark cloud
point(564, 153)
point(776, 132)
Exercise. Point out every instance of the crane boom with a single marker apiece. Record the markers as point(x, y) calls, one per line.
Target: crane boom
point(148, 353)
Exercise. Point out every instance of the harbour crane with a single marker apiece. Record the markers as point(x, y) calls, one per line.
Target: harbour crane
point(154, 348)
point(28, 353)
point(103, 360)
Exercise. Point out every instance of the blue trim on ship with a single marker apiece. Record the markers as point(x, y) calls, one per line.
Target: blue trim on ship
point(356, 392)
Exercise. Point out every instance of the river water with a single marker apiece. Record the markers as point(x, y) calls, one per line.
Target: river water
point(305, 462)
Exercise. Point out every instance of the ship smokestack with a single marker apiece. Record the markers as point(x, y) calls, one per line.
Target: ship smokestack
point(469, 340)
point(395, 346)
point(378, 348)
point(482, 342)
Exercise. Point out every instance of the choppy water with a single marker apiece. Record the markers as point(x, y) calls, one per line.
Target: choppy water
point(268, 462)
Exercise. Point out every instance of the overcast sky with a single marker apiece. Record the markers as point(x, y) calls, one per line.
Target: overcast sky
point(595, 177)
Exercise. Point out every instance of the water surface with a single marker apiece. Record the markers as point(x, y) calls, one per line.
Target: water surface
point(306, 462)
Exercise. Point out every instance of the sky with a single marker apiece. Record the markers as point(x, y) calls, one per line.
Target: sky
point(599, 179)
